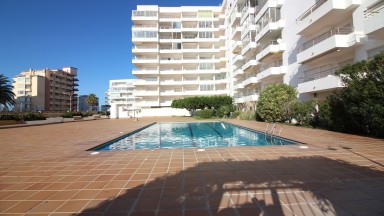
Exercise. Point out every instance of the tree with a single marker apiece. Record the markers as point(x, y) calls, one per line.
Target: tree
point(275, 101)
point(359, 107)
point(91, 100)
point(6, 93)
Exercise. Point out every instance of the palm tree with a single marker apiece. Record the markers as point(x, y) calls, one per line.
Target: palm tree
point(91, 100)
point(6, 93)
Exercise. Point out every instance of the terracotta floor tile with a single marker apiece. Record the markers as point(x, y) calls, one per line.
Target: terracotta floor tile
point(63, 195)
point(197, 212)
point(339, 173)
point(121, 205)
point(196, 202)
point(22, 207)
point(5, 204)
point(42, 195)
point(73, 206)
point(143, 204)
point(107, 194)
point(167, 203)
point(143, 213)
point(47, 206)
point(21, 195)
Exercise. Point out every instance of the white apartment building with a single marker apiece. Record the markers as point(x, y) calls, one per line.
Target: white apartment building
point(178, 52)
point(254, 43)
point(121, 99)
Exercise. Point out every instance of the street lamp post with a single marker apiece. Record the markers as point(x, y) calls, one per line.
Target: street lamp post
point(70, 94)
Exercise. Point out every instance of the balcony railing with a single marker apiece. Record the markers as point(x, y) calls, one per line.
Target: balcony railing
point(144, 26)
point(310, 10)
point(318, 75)
point(326, 35)
point(144, 13)
point(375, 8)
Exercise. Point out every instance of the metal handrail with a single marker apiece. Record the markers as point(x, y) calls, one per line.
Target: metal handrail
point(379, 5)
point(324, 36)
point(310, 10)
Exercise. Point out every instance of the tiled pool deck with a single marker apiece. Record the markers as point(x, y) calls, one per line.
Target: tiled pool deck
point(45, 170)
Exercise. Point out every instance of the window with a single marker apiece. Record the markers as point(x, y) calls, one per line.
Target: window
point(205, 24)
point(204, 13)
point(205, 34)
point(206, 66)
point(145, 34)
point(207, 87)
point(20, 92)
point(176, 25)
point(20, 85)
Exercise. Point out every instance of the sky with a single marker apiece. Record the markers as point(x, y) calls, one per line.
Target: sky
point(91, 35)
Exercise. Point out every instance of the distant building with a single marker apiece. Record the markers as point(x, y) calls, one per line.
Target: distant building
point(105, 107)
point(84, 107)
point(121, 99)
point(46, 90)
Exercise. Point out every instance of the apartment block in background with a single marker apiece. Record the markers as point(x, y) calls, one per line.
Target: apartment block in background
point(84, 107)
point(178, 52)
point(121, 99)
point(46, 90)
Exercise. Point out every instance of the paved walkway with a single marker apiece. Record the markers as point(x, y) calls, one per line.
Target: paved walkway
point(46, 170)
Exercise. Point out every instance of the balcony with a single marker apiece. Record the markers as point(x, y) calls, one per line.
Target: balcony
point(327, 43)
point(270, 28)
point(320, 82)
point(238, 72)
point(272, 47)
point(236, 32)
point(144, 15)
point(144, 27)
point(145, 93)
point(373, 20)
point(271, 71)
point(236, 47)
point(248, 47)
point(145, 49)
point(143, 82)
point(238, 86)
point(139, 71)
point(142, 60)
point(250, 63)
point(250, 98)
point(238, 59)
point(325, 13)
point(250, 81)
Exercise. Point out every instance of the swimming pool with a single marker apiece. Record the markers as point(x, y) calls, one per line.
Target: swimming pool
point(191, 135)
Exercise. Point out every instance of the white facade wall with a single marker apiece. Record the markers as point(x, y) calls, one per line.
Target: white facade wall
point(300, 43)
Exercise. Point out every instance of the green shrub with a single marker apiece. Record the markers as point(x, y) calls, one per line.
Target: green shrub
point(206, 113)
point(71, 114)
point(33, 116)
point(249, 115)
point(303, 112)
point(235, 114)
point(225, 110)
point(10, 117)
point(274, 102)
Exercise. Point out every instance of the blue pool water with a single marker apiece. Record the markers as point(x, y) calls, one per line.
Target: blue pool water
point(191, 135)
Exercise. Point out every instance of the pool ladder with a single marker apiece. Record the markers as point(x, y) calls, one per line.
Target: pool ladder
point(271, 131)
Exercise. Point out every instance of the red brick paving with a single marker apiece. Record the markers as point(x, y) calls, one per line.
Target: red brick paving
point(46, 170)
